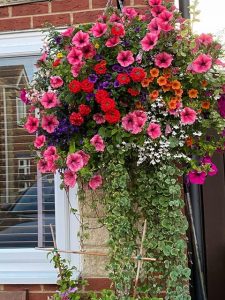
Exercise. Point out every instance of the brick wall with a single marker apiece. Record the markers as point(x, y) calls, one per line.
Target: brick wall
point(56, 12)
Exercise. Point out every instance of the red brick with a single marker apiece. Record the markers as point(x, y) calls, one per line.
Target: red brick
point(98, 284)
point(39, 296)
point(62, 5)
point(30, 9)
point(15, 24)
point(140, 2)
point(22, 287)
point(86, 17)
point(4, 12)
point(50, 287)
point(57, 20)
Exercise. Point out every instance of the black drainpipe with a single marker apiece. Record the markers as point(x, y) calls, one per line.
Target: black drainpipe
point(198, 292)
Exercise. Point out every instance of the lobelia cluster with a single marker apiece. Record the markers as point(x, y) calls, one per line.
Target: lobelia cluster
point(153, 92)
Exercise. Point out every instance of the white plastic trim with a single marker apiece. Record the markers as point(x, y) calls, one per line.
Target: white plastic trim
point(27, 265)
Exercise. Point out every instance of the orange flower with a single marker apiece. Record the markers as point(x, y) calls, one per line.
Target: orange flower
point(179, 92)
point(162, 80)
point(138, 105)
point(154, 72)
point(176, 98)
point(189, 141)
point(193, 93)
point(166, 88)
point(205, 104)
point(145, 82)
point(176, 85)
point(154, 95)
point(172, 104)
point(204, 83)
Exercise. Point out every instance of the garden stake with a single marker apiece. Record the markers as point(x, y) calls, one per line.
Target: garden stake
point(140, 261)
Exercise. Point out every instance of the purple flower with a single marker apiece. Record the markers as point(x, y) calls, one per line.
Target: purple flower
point(108, 77)
point(98, 57)
point(221, 105)
point(196, 177)
point(92, 78)
point(105, 84)
point(58, 39)
point(116, 84)
point(89, 96)
point(117, 68)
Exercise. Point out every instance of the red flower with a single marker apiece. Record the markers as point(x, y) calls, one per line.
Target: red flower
point(74, 86)
point(137, 74)
point(76, 119)
point(133, 92)
point(56, 62)
point(87, 86)
point(100, 68)
point(107, 105)
point(101, 95)
point(123, 78)
point(84, 110)
point(112, 116)
point(118, 29)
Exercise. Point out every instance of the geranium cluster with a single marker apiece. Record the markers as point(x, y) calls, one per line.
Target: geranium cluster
point(141, 82)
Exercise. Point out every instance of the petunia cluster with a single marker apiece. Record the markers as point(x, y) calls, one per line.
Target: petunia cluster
point(143, 83)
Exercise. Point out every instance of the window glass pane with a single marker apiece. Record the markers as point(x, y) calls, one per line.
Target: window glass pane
point(26, 199)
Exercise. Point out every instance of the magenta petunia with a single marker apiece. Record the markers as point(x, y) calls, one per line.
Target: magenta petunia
point(205, 39)
point(39, 141)
point(154, 2)
point(98, 143)
point(51, 153)
point(31, 124)
point(154, 131)
point(221, 105)
point(129, 12)
point(202, 63)
point(75, 162)
point(149, 41)
point(125, 58)
point(75, 56)
point(56, 82)
point(99, 118)
point(197, 177)
point(95, 182)
point(68, 32)
point(154, 27)
point(156, 10)
point(188, 116)
point(49, 100)
point(112, 42)
point(165, 16)
point(49, 123)
point(98, 29)
point(163, 60)
point(70, 178)
point(81, 39)
point(85, 156)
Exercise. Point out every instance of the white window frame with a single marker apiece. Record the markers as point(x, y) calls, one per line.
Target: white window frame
point(29, 265)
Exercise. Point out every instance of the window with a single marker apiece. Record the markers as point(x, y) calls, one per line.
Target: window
point(29, 202)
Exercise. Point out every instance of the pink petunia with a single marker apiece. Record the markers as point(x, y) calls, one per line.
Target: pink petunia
point(202, 63)
point(168, 129)
point(205, 39)
point(56, 82)
point(98, 143)
point(196, 177)
point(157, 10)
point(85, 156)
point(165, 16)
point(99, 118)
point(112, 42)
point(129, 12)
point(141, 117)
point(125, 58)
point(75, 70)
point(153, 26)
point(163, 60)
point(88, 51)
point(49, 123)
point(75, 162)
point(149, 41)
point(95, 182)
point(129, 122)
point(134, 122)
point(70, 178)
point(154, 131)
point(154, 2)
point(68, 32)
point(81, 39)
point(32, 124)
point(39, 141)
point(75, 56)
point(164, 26)
point(43, 166)
point(99, 29)
point(114, 18)
point(49, 100)
point(51, 153)
point(188, 116)
point(43, 57)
